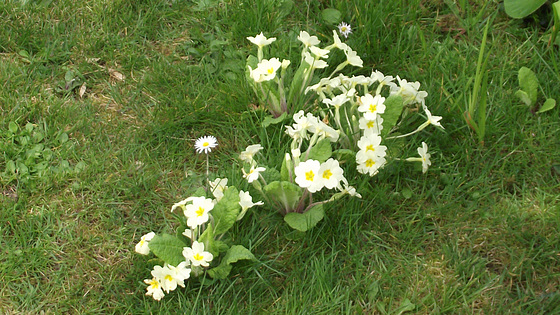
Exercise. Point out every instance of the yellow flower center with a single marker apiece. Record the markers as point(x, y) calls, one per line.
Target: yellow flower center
point(154, 283)
point(205, 144)
point(168, 278)
point(197, 256)
point(327, 174)
point(370, 124)
point(270, 70)
point(372, 108)
point(343, 29)
point(200, 211)
point(309, 176)
point(370, 163)
point(370, 148)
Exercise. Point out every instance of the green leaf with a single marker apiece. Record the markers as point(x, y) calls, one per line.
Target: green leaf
point(556, 14)
point(519, 9)
point(321, 151)
point(523, 97)
point(344, 155)
point(225, 212)
point(406, 306)
point(285, 193)
point(29, 127)
point(331, 16)
point(305, 221)
point(549, 104)
point(168, 248)
point(528, 83)
point(10, 167)
point(13, 127)
point(393, 109)
point(233, 255)
point(270, 120)
point(207, 238)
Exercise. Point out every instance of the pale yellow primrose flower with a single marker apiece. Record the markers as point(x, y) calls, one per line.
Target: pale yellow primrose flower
point(434, 120)
point(154, 288)
point(424, 157)
point(308, 40)
point(337, 43)
point(315, 63)
point(246, 202)
point(371, 127)
point(371, 106)
point(331, 173)
point(169, 277)
point(353, 58)
point(370, 163)
point(253, 173)
point(260, 40)
point(307, 175)
point(196, 255)
point(218, 186)
point(266, 70)
point(142, 246)
point(249, 153)
point(197, 212)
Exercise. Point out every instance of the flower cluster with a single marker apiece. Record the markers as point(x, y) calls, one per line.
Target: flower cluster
point(203, 222)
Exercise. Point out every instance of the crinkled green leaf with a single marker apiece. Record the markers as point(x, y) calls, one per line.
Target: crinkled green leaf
point(321, 151)
point(168, 248)
point(207, 238)
point(519, 9)
point(285, 193)
point(393, 109)
point(270, 175)
point(305, 221)
point(523, 97)
point(529, 83)
point(225, 212)
point(548, 105)
point(13, 127)
point(331, 16)
point(270, 120)
point(344, 155)
point(234, 254)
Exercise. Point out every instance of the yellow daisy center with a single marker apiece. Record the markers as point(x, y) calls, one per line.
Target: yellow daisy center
point(205, 144)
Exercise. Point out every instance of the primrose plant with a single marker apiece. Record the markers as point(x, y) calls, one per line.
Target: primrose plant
point(366, 112)
point(200, 244)
point(307, 171)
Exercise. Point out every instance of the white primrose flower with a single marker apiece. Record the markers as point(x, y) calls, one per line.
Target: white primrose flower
point(371, 106)
point(337, 101)
point(331, 173)
point(253, 173)
point(266, 70)
point(409, 91)
point(246, 202)
point(154, 288)
point(325, 131)
point(344, 29)
point(142, 246)
point(353, 58)
point(307, 175)
point(205, 144)
point(181, 204)
point(189, 233)
point(382, 79)
point(261, 40)
point(370, 145)
point(424, 157)
point(249, 153)
point(308, 40)
point(218, 186)
point(433, 120)
point(351, 191)
point(337, 43)
point(319, 52)
point(360, 79)
point(370, 163)
point(197, 212)
point(371, 127)
point(169, 277)
point(196, 255)
point(315, 63)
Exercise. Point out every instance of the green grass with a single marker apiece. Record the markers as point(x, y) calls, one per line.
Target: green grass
point(478, 235)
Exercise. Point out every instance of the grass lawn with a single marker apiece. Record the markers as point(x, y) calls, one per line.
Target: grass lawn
point(100, 104)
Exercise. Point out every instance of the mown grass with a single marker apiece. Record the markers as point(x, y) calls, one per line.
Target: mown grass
point(479, 234)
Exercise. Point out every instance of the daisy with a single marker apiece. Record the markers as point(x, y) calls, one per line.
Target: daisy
point(344, 29)
point(205, 144)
